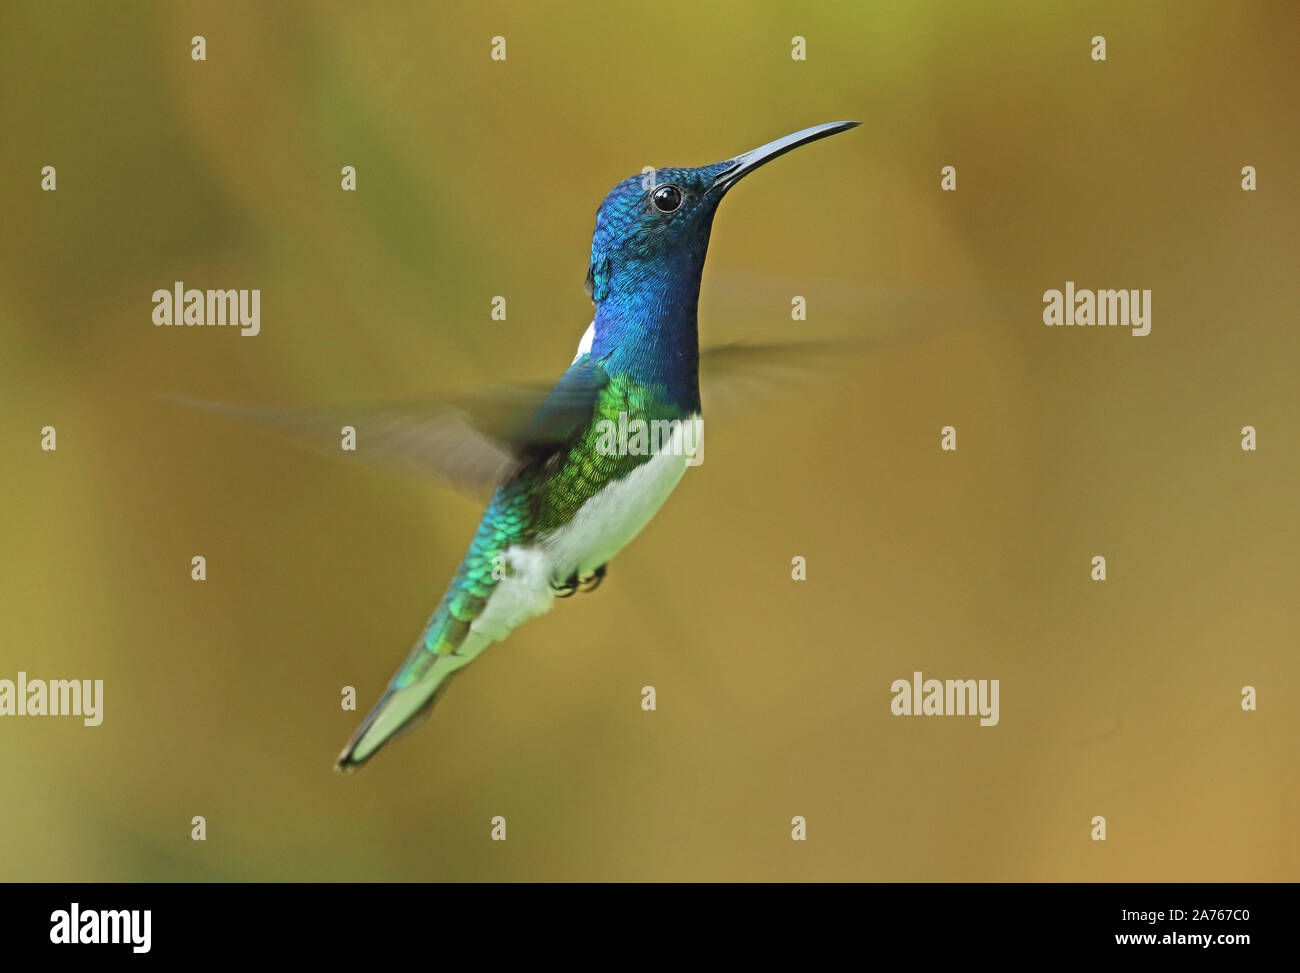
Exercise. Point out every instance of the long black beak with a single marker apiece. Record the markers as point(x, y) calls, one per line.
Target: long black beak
point(743, 165)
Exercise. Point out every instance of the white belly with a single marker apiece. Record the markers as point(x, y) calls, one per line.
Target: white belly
point(615, 515)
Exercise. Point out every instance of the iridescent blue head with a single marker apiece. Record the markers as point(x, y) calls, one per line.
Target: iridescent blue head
point(647, 256)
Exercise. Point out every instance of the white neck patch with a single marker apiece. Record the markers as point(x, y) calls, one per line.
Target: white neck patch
point(584, 346)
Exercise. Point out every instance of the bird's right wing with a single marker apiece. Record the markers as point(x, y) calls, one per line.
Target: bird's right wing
point(470, 441)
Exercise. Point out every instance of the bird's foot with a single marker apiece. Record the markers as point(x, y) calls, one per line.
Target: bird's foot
point(590, 582)
point(584, 583)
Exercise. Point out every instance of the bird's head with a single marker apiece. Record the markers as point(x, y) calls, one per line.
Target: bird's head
point(660, 221)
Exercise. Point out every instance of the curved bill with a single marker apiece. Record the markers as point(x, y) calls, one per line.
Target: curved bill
point(743, 165)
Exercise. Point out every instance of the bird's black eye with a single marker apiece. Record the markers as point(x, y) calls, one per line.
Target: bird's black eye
point(667, 198)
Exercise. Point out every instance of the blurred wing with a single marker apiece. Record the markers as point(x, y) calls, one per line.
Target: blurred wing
point(431, 439)
point(743, 373)
point(470, 442)
point(877, 314)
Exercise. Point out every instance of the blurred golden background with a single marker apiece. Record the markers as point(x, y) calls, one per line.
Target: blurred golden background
point(479, 178)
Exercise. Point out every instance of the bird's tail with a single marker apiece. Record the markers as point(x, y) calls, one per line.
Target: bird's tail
point(451, 640)
point(401, 709)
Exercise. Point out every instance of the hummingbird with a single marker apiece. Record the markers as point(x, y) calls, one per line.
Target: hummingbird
point(566, 503)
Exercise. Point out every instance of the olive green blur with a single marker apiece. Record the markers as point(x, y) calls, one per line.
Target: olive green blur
point(479, 178)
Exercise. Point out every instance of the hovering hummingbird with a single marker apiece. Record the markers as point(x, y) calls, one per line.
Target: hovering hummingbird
point(566, 503)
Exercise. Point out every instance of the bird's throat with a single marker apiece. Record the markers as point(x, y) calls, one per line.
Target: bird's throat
point(646, 326)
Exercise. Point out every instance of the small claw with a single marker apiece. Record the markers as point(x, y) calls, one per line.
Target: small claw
point(592, 581)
